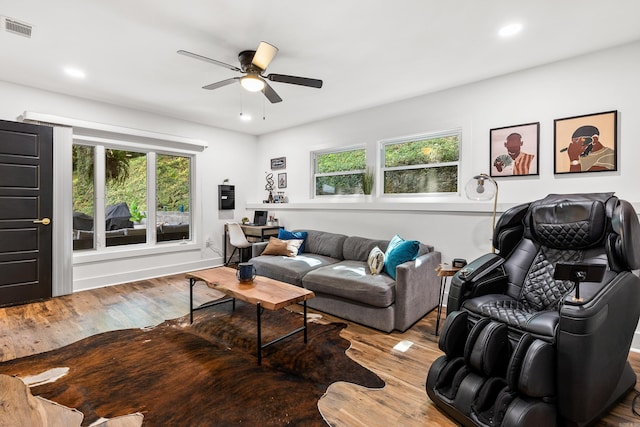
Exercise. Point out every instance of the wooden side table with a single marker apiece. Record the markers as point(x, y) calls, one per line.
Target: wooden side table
point(444, 271)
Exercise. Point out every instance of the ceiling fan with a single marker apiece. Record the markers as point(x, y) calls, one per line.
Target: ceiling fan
point(253, 64)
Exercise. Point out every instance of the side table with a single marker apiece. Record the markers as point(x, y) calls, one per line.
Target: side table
point(444, 271)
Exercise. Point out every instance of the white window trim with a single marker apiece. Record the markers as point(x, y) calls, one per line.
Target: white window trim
point(100, 145)
point(65, 130)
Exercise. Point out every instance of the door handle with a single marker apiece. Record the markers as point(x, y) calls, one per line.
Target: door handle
point(43, 221)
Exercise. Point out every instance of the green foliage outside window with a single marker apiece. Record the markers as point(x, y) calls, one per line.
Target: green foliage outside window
point(439, 155)
point(126, 181)
point(341, 161)
point(353, 162)
point(173, 181)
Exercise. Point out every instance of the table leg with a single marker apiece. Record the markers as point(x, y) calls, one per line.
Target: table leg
point(259, 335)
point(443, 284)
point(305, 321)
point(192, 282)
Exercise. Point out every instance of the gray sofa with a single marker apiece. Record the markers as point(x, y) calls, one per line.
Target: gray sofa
point(334, 267)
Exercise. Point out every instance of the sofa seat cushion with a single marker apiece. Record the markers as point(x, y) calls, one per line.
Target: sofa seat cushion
point(351, 280)
point(289, 269)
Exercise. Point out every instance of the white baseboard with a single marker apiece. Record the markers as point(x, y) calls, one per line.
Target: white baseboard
point(135, 275)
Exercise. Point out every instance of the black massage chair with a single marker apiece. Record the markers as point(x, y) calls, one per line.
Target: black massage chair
point(539, 334)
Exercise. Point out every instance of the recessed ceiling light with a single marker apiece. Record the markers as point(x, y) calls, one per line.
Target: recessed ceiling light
point(74, 72)
point(510, 30)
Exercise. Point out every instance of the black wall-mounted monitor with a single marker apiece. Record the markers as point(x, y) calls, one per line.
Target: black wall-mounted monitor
point(260, 218)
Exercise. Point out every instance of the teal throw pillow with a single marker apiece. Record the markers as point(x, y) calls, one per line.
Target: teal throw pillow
point(401, 252)
point(291, 235)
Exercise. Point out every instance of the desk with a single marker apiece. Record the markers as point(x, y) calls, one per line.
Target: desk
point(262, 232)
point(444, 271)
point(253, 233)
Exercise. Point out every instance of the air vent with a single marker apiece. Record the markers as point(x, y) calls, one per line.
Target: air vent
point(16, 27)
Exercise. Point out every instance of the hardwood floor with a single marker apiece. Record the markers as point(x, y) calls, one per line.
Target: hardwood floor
point(42, 326)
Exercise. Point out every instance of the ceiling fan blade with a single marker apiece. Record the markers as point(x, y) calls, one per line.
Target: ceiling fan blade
point(302, 81)
point(264, 55)
point(213, 61)
point(220, 83)
point(271, 94)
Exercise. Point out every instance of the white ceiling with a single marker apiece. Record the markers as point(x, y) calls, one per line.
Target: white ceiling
point(367, 52)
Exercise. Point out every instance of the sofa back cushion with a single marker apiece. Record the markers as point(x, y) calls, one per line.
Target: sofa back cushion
point(358, 248)
point(323, 243)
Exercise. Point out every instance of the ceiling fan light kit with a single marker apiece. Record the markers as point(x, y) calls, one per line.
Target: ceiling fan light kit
point(252, 83)
point(253, 64)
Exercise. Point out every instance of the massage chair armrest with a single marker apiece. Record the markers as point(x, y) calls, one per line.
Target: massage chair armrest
point(258, 248)
point(589, 291)
point(482, 276)
point(594, 339)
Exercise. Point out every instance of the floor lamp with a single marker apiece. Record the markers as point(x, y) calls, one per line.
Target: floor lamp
point(483, 187)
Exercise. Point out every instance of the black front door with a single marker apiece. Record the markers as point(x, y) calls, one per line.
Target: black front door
point(26, 206)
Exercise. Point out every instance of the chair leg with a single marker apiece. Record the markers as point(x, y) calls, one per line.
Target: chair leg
point(228, 261)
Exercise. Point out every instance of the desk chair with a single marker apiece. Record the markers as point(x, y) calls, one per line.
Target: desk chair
point(237, 240)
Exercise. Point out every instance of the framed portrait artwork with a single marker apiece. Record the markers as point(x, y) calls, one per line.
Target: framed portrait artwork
point(282, 180)
point(586, 143)
point(514, 150)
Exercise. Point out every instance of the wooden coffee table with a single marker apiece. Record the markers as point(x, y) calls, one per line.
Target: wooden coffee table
point(263, 292)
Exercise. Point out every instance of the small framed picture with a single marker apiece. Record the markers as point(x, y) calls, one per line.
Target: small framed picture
point(514, 150)
point(279, 163)
point(282, 180)
point(586, 143)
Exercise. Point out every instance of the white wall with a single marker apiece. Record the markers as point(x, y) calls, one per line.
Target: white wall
point(594, 83)
point(456, 226)
point(599, 82)
point(213, 165)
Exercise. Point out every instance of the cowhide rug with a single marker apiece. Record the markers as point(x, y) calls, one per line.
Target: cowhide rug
point(205, 374)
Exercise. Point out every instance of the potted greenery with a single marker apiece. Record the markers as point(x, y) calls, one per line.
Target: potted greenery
point(367, 181)
point(136, 215)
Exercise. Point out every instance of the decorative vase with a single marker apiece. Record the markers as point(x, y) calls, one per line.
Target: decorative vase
point(270, 198)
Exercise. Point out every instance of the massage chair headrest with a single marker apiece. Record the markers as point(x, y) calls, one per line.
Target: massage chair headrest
point(581, 221)
point(570, 221)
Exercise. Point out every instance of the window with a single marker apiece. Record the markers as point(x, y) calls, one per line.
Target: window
point(173, 183)
point(83, 196)
point(339, 172)
point(423, 164)
point(126, 197)
point(128, 208)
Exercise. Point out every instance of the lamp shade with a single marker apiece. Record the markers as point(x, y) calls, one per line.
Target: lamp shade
point(483, 187)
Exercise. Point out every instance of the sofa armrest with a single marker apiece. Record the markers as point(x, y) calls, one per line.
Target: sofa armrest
point(417, 289)
point(257, 248)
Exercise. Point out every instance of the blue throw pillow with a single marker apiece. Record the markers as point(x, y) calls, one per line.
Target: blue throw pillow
point(395, 241)
point(401, 252)
point(290, 235)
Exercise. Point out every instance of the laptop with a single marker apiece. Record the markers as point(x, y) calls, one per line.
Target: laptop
point(260, 218)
